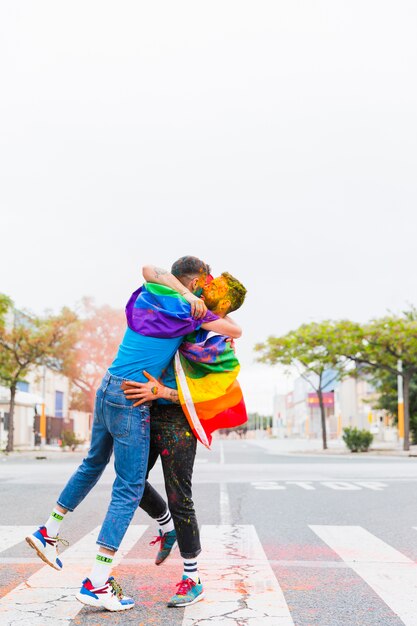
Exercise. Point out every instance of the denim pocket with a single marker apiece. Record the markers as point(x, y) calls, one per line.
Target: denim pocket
point(118, 418)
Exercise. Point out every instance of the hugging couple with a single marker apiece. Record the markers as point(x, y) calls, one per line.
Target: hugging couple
point(173, 381)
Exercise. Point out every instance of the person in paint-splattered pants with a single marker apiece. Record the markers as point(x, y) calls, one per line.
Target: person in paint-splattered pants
point(173, 441)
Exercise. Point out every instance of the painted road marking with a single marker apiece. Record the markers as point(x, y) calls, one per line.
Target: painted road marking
point(268, 485)
point(337, 485)
point(12, 535)
point(391, 574)
point(341, 486)
point(225, 511)
point(303, 484)
point(240, 584)
point(373, 485)
point(238, 578)
point(47, 597)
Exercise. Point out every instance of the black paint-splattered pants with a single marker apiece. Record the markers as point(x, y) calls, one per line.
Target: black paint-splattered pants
point(172, 439)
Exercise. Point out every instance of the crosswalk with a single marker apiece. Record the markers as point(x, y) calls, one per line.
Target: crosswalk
point(242, 587)
point(47, 598)
point(308, 485)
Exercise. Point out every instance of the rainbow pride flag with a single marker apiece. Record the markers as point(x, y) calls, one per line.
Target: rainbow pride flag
point(157, 311)
point(206, 370)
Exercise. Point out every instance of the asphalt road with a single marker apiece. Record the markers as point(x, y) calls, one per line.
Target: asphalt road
point(287, 539)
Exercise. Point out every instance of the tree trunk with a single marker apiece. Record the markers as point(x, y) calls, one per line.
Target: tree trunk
point(10, 439)
point(323, 418)
point(406, 392)
point(92, 398)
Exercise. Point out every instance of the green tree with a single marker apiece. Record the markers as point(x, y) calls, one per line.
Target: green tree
point(381, 345)
point(27, 340)
point(313, 350)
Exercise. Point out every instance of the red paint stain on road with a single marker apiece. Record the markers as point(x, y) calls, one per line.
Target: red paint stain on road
point(15, 574)
point(299, 552)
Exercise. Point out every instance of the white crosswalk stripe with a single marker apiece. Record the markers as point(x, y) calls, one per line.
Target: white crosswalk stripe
point(391, 574)
point(47, 597)
point(336, 485)
point(12, 535)
point(239, 581)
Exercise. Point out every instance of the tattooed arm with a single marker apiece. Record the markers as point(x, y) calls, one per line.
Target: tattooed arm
point(153, 274)
point(146, 392)
point(159, 275)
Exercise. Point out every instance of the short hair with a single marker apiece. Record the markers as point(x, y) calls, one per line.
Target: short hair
point(189, 267)
point(236, 291)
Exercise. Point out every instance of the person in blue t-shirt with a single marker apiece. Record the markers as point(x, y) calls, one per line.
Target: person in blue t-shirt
point(121, 428)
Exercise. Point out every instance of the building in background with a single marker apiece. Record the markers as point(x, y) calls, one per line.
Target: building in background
point(42, 386)
point(279, 415)
point(351, 402)
point(355, 406)
point(303, 409)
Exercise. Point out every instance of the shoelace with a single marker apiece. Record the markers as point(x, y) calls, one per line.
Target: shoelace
point(59, 539)
point(156, 540)
point(116, 589)
point(184, 586)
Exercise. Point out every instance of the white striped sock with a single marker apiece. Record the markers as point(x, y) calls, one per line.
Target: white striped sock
point(165, 522)
point(190, 569)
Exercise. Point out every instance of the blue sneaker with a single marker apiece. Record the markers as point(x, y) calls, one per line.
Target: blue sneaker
point(109, 596)
point(188, 592)
point(46, 547)
point(168, 541)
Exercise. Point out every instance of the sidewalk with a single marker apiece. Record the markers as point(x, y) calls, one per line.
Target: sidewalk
point(47, 451)
point(314, 447)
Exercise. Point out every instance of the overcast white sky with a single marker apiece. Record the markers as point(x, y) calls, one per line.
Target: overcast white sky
point(275, 139)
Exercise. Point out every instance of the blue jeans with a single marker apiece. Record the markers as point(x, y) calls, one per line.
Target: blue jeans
point(119, 426)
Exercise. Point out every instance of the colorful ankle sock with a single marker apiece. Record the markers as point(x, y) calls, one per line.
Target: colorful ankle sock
point(54, 522)
point(101, 569)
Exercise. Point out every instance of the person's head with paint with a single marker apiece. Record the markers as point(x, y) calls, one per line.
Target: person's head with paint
point(223, 294)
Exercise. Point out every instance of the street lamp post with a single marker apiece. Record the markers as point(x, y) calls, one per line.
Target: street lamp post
point(400, 401)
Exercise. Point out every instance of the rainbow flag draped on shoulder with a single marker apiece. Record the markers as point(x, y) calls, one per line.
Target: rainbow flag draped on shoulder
point(157, 311)
point(206, 366)
point(206, 370)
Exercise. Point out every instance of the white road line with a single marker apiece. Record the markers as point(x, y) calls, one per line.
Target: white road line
point(391, 574)
point(240, 584)
point(12, 535)
point(225, 512)
point(47, 597)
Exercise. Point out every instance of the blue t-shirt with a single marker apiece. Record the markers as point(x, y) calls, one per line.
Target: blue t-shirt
point(168, 379)
point(137, 353)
